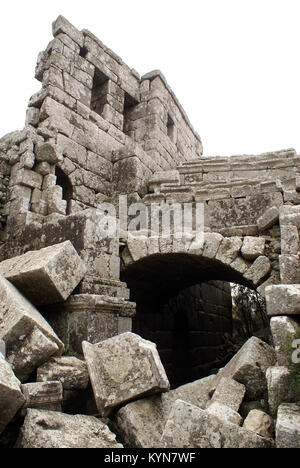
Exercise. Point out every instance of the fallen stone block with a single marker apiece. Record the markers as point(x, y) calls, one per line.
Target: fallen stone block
point(45, 276)
point(29, 339)
point(140, 424)
point(192, 427)
point(259, 270)
point(283, 332)
point(123, 368)
point(70, 371)
point(43, 395)
point(229, 393)
point(288, 426)
point(50, 429)
point(260, 423)
point(11, 397)
point(249, 365)
point(253, 247)
point(280, 388)
point(268, 219)
point(225, 413)
point(283, 299)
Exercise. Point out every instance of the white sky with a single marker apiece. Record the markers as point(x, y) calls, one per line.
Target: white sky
point(233, 64)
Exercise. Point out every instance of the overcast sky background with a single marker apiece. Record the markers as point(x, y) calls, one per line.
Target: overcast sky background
point(233, 64)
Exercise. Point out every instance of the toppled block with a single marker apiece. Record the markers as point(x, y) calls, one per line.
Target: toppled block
point(192, 427)
point(11, 397)
point(123, 368)
point(283, 332)
point(259, 270)
point(49, 429)
point(249, 365)
point(225, 413)
point(280, 388)
point(43, 395)
point(268, 219)
point(140, 424)
point(253, 247)
point(288, 426)
point(260, 423)
point(70, 371)
point(45, 276)
point(29, 339)
point(283, 299)
point(229, 393)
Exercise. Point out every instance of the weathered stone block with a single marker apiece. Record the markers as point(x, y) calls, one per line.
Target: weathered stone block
point(123, 368)
point(249, 365)
point(49, 429)
point(229, 249)
point(283, 299)
point(29, 339)
point(43, 395)
point(280, 388)
point(268, 219)
point(192, 427)
point(288, 426)
point(140, 424)
point(259, 270)
point(229, 393)
point(11, 397)
point(62, 25)
point(212, 243)
point(253, 247)
point(260, 423)
point(70, 371)
point(225, 413)
point(283, 331)
point(289, 269)
point(289, 238)
point(57, 270)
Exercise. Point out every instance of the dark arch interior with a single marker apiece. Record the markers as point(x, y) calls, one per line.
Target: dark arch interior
point(63, 181)
point(184, 305)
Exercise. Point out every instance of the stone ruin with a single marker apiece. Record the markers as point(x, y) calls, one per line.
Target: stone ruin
point(94, 330)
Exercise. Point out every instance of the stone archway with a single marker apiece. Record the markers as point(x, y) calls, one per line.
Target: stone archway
point(183, 295)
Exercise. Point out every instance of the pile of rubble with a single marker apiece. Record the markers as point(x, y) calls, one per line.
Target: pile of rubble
point(119, 395)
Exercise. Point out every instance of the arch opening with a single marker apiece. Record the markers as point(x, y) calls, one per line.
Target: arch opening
point(184, 305)
point(67, 190)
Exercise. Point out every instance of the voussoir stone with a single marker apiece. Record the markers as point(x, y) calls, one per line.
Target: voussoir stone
point(45, 276)
point(70, 371)
point(123, 368)
point(191, 427)
point(249, 365)
point(29, 339)
point(11, 397)
point(253, 247)
point(50, 429)
point(268, 219)
point(140, 424)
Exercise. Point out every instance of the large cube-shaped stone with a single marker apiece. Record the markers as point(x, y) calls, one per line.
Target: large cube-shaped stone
point(45, 276)
point(123, 368)
point(283, 329)
point(29, 339)
point(11, 397)
point(229, 393)
point(283, 299)
point(191, 427)
point(249, 365)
